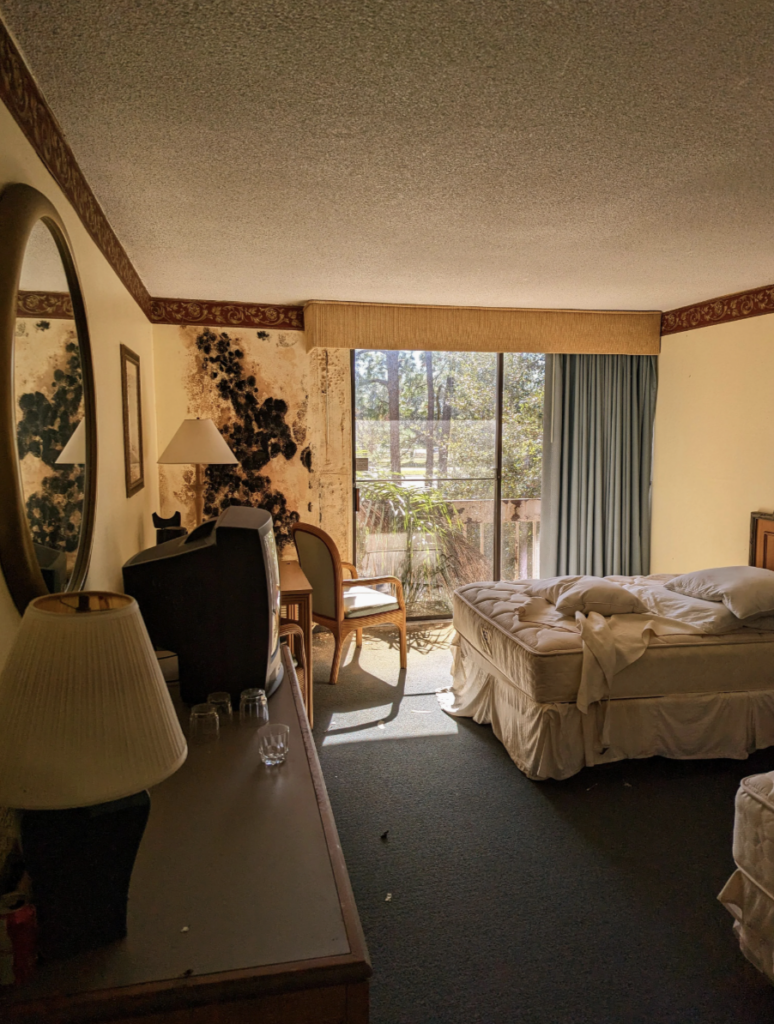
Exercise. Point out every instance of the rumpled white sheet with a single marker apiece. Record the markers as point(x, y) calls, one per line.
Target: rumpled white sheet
point(610, 643)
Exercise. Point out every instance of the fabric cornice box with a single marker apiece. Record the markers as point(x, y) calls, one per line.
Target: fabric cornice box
point(363, 325)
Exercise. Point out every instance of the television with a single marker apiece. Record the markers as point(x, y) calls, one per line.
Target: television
point(213, 598)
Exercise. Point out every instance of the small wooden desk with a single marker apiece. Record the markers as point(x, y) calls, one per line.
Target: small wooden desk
point(240, 908)
point(296, 590)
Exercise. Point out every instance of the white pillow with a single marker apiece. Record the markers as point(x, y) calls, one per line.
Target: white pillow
point(551, 589)
point(707, 616)
point(592, 594)
point(744, 589)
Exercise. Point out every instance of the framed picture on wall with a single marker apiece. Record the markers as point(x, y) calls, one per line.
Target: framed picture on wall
point(132, 403)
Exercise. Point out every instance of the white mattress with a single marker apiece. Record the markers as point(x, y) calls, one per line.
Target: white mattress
point(749, 893)
point(541, 652)
point(518, 665)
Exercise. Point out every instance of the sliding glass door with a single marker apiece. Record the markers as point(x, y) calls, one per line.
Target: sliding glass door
point(523, 385)
point(447, 450)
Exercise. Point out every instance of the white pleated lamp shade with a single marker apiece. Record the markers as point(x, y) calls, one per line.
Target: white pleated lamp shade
point(74, 452)
point(197, 441)
point(85, 714)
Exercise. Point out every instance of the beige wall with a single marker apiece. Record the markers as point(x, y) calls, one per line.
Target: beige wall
point(123, 525)
point(714, 444)
point(274, 366)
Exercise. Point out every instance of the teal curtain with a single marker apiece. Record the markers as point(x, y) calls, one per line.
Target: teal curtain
point(597, 457)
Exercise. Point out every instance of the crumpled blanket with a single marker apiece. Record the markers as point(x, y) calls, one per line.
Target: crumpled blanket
point(613, 642)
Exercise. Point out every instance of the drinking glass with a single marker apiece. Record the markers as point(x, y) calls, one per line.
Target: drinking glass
point(273, 743)
point(221, 701)
point(204, 724)
point(253, 708)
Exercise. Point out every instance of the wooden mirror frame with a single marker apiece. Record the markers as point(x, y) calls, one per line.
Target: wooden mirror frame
point(21, 207)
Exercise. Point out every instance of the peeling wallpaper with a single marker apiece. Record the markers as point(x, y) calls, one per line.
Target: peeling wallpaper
point(284, 412)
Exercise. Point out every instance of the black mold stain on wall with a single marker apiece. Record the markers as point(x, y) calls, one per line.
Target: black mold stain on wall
point(258, 434)
point(306, 458)
point(54, 511)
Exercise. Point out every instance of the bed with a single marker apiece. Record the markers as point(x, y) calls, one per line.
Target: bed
point(695, 683)
point(749, 893)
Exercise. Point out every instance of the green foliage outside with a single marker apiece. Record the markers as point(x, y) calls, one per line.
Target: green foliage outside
point(460, 433)
point(441, 449)
point(435, 556)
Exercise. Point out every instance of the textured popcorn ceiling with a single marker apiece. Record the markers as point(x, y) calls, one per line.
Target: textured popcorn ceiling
point(559, 153)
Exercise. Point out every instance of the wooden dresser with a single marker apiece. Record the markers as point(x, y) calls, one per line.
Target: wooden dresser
point(240, 907)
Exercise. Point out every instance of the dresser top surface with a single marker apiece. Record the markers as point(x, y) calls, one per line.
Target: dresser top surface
point(237, 872)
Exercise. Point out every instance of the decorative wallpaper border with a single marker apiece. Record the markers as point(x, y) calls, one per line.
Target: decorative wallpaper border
point(52, 305)
point(226, 314)
point(21, 95)
point(738, 306)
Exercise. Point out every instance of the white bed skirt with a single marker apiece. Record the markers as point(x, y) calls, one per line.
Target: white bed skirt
point(554, 741)
point(748, 894)
point(753, 913)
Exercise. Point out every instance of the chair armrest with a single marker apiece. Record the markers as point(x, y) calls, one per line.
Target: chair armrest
point(370, 580)
point(292, 628)
point(351, 567)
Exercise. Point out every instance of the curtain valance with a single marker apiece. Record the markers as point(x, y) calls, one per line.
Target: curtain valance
point(366, 325)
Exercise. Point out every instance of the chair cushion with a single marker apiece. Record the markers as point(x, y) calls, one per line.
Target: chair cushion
point(360, 601)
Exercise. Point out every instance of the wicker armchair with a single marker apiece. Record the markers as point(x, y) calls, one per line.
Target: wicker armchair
point(345, 606)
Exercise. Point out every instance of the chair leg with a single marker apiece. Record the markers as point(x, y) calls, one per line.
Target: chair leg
point(336, 658)
point(403, 651)
point(359, 638)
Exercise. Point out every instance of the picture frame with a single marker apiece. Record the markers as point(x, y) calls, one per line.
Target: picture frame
point(131, 398)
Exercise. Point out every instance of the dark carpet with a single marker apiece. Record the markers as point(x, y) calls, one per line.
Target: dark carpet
point(589, 900)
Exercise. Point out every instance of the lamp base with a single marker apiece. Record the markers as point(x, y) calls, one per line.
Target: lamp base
point(80, 862)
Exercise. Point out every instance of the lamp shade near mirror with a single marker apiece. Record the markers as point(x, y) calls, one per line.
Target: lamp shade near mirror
point(86, 725)
point(198, 442)
point(74, 452)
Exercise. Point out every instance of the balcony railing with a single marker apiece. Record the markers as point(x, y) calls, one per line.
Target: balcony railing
point(436, 559)
point(520, 543)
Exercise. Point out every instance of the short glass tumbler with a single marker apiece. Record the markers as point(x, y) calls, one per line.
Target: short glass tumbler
point(221, 701)
point(204, 724)
point(253, 708)
point(273, 743)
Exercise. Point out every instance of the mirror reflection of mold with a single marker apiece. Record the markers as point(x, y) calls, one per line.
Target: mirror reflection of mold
point(48, 387)
point(49, 406)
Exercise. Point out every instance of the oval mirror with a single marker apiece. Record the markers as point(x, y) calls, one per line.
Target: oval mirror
point(49, 467)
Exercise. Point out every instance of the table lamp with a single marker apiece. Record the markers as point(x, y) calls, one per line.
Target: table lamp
point(198, 442)
point(86, 725)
